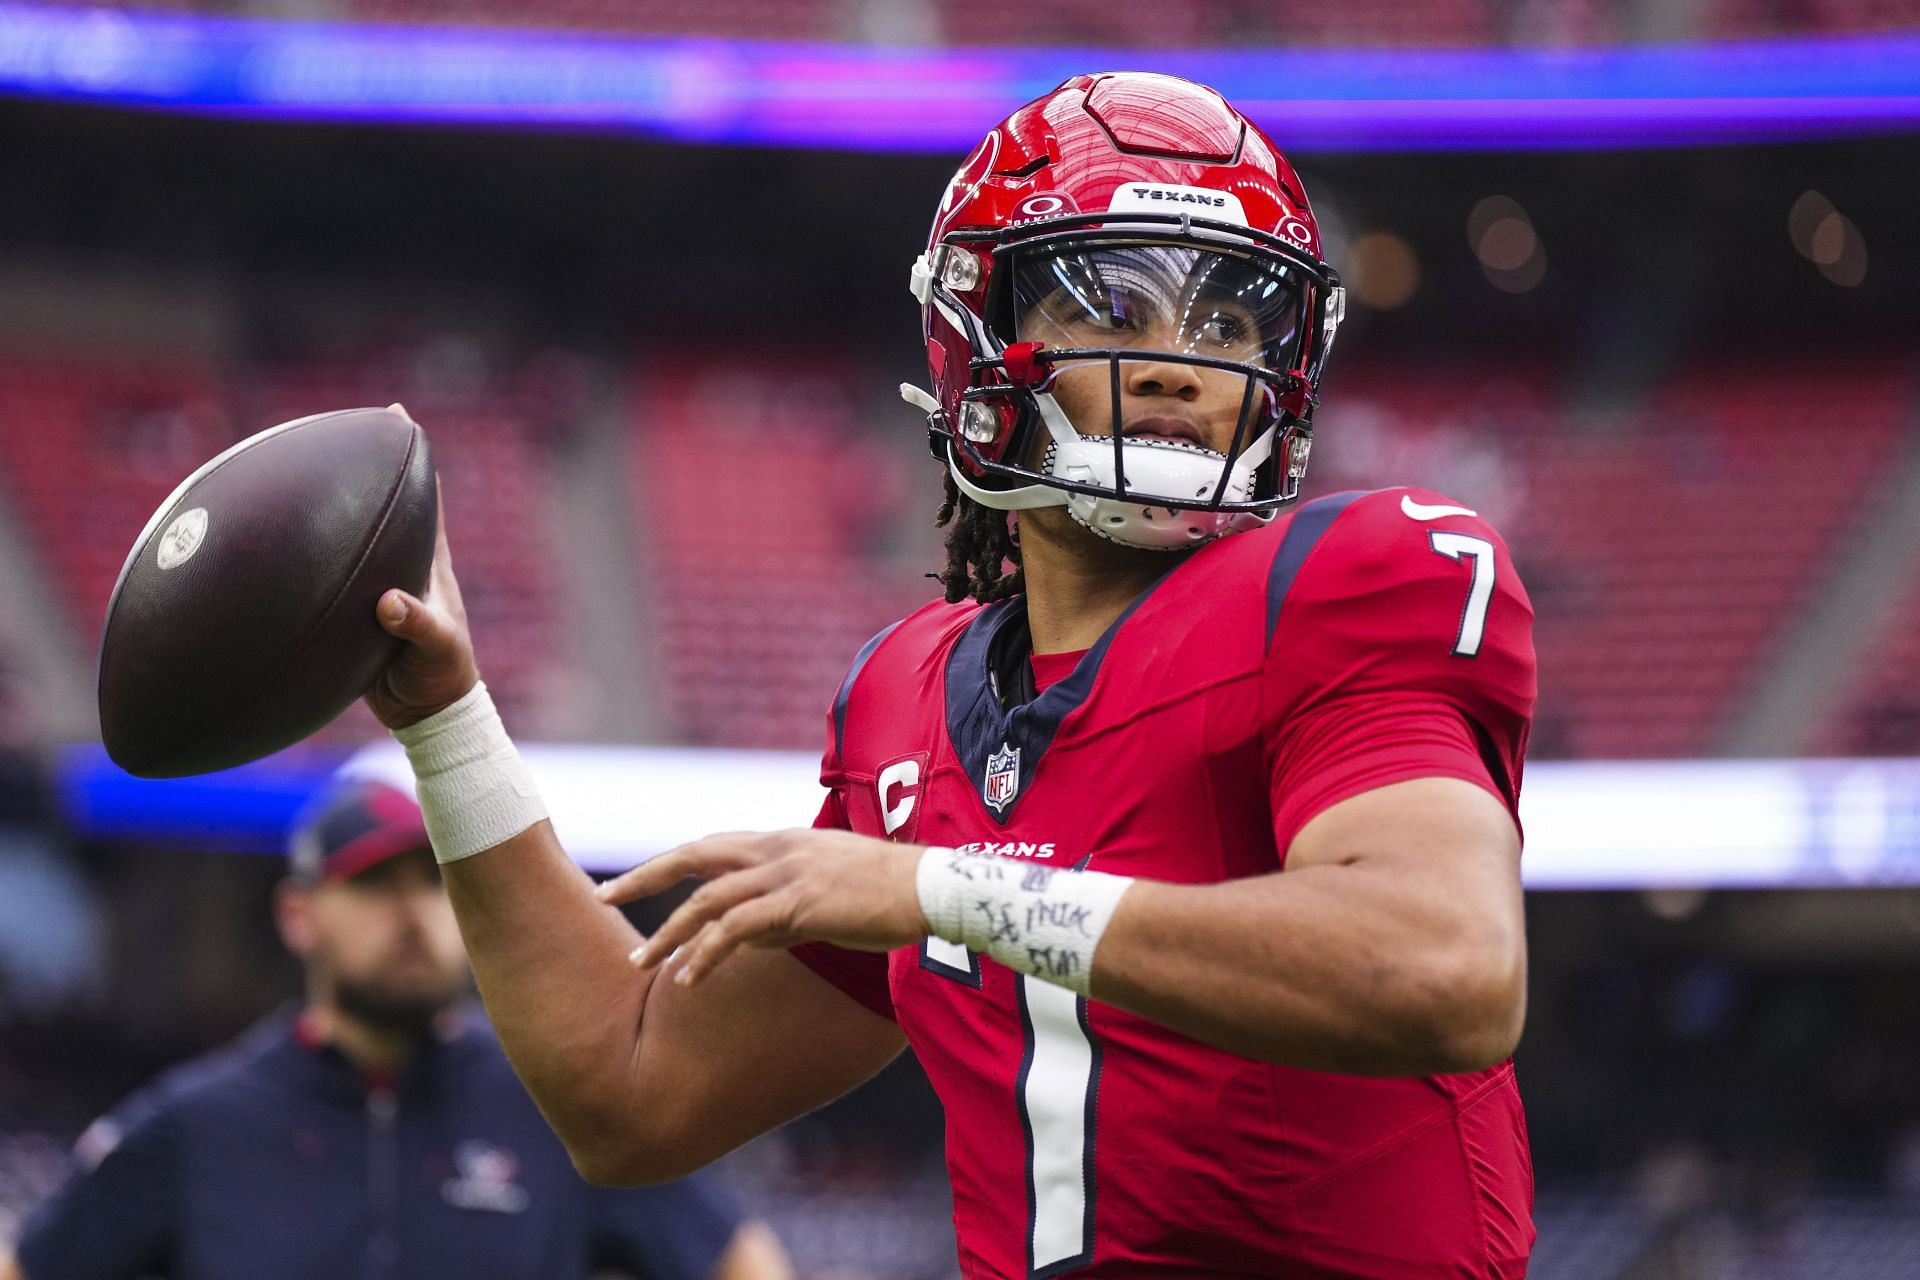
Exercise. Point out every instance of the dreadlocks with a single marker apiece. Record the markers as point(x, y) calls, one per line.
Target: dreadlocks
point(979, 545)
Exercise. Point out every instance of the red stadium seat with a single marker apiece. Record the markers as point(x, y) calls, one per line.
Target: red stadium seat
point(1666, 551)
point(757, 508)
point(90, 445)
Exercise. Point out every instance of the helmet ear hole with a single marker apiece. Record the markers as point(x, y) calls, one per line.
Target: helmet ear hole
point(961, 271)
point(979, 422)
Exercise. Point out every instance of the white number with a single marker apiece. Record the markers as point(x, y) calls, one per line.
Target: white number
point(951, 954)
point(1056, 1093)
point(1473, 619)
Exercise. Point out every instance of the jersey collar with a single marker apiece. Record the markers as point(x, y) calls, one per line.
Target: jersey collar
point(1008, 741)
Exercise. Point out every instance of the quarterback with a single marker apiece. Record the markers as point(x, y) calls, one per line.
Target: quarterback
point(1178, 840)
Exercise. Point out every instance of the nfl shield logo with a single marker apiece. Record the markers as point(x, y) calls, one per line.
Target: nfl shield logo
point(1003, 777)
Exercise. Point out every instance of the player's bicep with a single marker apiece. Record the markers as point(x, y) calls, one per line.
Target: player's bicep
point(1440, 859)
point(1439, 830)
point(762, 1039)
point(1434, 863)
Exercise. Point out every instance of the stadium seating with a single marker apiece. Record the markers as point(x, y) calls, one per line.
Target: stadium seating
point(1745, 19)
point(91, 444)
point(88, 448)
point(761, 511)
point(1880, 712)
point(1683, 548)
point(1664, 547)
point(1601, 1235)
point(1587, 1235)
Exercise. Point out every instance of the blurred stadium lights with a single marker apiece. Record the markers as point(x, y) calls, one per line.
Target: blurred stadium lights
point(1509, 249)
point(1807, 213)
point(891, 98)
point(1828, 239)
point(1695, 824)
point(1674, 904)
point(1382, 271)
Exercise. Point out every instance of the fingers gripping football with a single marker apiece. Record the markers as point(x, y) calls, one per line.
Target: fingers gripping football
point(436, 667)
point(777, 889)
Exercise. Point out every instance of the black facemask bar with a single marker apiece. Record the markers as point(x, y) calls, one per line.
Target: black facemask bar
point(1027, 370)
point(1020, 369)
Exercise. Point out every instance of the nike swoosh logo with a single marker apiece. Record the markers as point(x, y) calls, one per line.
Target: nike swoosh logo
point(1421, 511)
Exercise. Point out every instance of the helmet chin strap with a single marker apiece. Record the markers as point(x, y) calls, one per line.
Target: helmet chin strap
point(1160, 468)
point(1026, 497)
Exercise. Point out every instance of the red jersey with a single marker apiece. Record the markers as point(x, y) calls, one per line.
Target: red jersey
point(1362, 640)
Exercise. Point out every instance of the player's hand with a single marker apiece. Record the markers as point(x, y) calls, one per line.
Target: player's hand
point(435, 668)
point(775, 889)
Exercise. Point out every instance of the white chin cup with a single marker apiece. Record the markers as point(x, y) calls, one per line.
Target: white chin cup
point(1165, 470)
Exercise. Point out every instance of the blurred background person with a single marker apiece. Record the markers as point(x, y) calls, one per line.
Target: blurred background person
point(376, 1130)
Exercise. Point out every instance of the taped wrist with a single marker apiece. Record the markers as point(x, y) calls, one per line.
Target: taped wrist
point(1044, 921)
point(475, 790)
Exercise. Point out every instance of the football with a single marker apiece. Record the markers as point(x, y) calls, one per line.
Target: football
point(243, 619)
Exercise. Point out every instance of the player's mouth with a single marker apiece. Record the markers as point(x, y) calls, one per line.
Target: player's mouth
point(1161, 428)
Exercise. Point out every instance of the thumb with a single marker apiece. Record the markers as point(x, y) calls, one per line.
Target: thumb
point(402, 615)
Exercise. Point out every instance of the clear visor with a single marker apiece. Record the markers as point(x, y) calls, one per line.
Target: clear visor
point(1156, 297)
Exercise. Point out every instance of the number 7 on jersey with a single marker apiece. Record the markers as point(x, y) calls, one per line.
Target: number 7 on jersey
point(1473, 618)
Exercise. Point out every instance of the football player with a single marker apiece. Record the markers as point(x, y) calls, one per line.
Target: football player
point(1183, 854)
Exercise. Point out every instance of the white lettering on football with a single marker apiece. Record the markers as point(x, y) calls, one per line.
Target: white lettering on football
point(182, 538)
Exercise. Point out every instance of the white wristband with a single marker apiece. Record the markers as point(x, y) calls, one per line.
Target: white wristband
point(1040, 920)
point(475, 790)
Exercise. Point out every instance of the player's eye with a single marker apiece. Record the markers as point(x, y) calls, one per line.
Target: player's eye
point(1223, 331)
point(1111, 311)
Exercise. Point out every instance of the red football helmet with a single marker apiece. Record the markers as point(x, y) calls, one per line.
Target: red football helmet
point(1122, 220)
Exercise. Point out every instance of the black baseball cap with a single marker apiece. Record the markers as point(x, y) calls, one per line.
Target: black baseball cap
point(352, 825)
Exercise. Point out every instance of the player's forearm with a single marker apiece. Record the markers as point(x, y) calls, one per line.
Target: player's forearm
point(1334, 968)
point(551, 965)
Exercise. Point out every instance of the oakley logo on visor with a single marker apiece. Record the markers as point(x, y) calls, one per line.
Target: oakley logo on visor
point(1157, 197)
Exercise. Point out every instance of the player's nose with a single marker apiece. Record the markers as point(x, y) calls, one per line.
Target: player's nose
point(1150, 374)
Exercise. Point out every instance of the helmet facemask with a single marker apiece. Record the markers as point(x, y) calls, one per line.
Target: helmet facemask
point(1154, 384)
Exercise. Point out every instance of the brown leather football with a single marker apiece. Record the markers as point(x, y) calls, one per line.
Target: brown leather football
point(243, 619)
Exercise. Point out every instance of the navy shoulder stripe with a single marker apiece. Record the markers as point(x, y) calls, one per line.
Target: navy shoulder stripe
point(1303, 534)
point(846, 687)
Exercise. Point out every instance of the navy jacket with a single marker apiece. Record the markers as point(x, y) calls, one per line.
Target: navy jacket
point(277, 1158)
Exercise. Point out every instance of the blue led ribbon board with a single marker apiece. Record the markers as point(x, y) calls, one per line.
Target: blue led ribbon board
point(873, 98)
